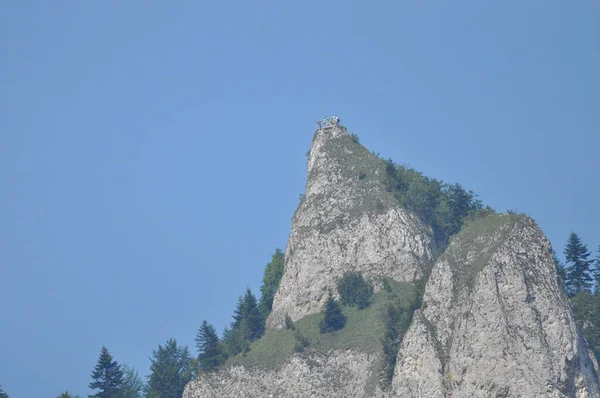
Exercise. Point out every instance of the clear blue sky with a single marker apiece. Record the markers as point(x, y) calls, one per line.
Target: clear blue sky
point(152, 153)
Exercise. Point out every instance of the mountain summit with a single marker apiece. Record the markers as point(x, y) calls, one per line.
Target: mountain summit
point(346, 221)
point(493, 319)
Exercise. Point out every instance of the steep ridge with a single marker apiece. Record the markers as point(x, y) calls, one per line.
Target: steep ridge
point(346, 221)
point(495, 321)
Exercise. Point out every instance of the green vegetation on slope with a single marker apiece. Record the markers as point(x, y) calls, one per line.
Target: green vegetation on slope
point(354, 290)
point(272, 275)
point(363, 331)
point(586, 309)
point(474, 244)
point(443, 206)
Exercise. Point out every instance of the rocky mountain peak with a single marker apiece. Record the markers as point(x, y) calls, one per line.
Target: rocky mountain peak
point(346, 221)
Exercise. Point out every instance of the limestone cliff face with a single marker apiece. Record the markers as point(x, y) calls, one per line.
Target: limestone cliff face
point(347, 221)
point(495, 322)
point(343, 374)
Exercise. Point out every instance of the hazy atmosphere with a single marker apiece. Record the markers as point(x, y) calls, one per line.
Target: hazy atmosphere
point(152, 153)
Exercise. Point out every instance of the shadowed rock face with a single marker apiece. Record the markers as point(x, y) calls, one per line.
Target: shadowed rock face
point(495, 322)
point(347, 221)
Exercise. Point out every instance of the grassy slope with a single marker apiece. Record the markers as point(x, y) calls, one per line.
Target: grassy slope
point(471, 248)
point(362, 332)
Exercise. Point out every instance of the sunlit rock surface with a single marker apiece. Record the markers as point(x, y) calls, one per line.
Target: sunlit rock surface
point(495, 322)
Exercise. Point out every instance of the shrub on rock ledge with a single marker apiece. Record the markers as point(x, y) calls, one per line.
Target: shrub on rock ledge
point(354, 290)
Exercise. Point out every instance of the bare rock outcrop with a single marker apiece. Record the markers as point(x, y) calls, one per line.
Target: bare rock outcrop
point(346, 221)
point(495, 322)
point(343, 374)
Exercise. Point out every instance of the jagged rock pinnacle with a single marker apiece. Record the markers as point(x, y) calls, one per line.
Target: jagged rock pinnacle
point(346, 221)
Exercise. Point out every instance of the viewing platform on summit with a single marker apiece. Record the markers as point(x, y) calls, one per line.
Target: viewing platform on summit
point(328, 122)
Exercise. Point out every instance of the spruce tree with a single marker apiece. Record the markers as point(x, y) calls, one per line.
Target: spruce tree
point(209, 350)
point(133, 385)
point(233, 341)
point(171, 369)
point(248, 318)
point(2, 393)
point(333, 319)
point(576, 254)
point(107, 376)
point(270, 282)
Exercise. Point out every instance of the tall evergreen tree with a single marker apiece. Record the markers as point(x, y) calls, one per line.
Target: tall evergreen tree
point(270, 282)
point(2, 393)
point(247, 317)
point(333, 318)
point(133, 385)
point(578, 271)
point(107, 377)
point(171, 369)
point(461, 202)
point(597, 272)
point(233, 341)
point(209, 350)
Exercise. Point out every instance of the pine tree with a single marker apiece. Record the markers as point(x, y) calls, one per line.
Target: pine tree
point(333, 318)
point(2, 393)
point(171, 369)
point(133, 385)
point(107, 376)
point(578, 277)
point(270, 283)
point(233, 341)
point(248, 325)
point(597, 272)
point(209, 350)
point(248, 318)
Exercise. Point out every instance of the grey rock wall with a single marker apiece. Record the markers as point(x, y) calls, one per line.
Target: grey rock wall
point(495, 322)
point(343, 374)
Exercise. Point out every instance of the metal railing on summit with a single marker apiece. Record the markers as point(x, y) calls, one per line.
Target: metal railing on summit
point(328, 122)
